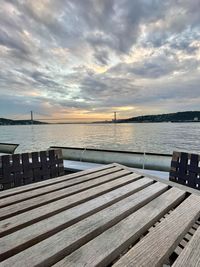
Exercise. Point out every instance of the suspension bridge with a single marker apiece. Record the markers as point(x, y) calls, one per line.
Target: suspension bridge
point(33, 116)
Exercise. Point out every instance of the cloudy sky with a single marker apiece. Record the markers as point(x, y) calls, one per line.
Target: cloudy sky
point(85, 59)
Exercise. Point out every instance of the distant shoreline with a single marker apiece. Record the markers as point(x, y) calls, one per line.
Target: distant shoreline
point(102, 122)
point(178, 117)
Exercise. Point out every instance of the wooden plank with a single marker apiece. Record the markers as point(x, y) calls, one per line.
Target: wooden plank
point(17, 222)
point(195, 226)
point(58, 186)
point(25, 188)
point(183, 243)
point(55, 207)
point(53, 196)
point(26, 237)
point(158, 245)
point(190, 256)
point(53, 249)
point(79, 212)
point(102, 250)
point(192, 231)
point(188, 236)
point(178, 250)
point(172, 184)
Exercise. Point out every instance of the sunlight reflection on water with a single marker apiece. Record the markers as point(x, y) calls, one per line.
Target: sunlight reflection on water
point(148, 137)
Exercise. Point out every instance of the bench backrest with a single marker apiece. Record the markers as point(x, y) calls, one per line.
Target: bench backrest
point(185, 169)
point(26, 168)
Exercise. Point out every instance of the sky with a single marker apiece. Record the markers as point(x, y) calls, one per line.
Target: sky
point(85, 59)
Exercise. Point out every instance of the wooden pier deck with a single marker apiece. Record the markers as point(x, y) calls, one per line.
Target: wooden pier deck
point(101, 217)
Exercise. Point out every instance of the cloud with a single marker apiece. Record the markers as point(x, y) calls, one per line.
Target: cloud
point(94, 56)
point(102, 57)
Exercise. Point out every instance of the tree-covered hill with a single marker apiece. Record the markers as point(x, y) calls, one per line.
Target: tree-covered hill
point(4, 121)
point(185, 116)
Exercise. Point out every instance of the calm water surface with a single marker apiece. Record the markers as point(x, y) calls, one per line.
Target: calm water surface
point(149, 137)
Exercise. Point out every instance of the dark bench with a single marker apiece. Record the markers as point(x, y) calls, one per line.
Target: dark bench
point(185, 169)
point(21, 169)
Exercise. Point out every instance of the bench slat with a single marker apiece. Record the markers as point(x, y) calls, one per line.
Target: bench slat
point(36, 232)
point(76, 213)
point(53, 196)
point(34, 186)
point(190, 256)
point(161, 242)
point(56, 187)
point(102, 250)
point(50, 209)
point(46, 253)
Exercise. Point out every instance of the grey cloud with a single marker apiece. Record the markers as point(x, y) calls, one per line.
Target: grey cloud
point(181, 20)
point(102, 57)
point(43, 79)
point(156, 66)
point(106, 91)
point(100, 39)
point(185, 41)
point(116, 24)
point(54, 49)
point(13, 43)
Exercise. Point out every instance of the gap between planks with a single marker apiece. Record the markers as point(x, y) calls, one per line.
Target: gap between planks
point(35, 233)
point(190, 255)
point(29, 204)
point(40, 213)
point(78, 212)
point(159, 244)
point(58, 186)
point(35, 186)
point(114, 239)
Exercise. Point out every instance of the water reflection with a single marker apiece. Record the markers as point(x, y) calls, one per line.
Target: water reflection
point(148, 137)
